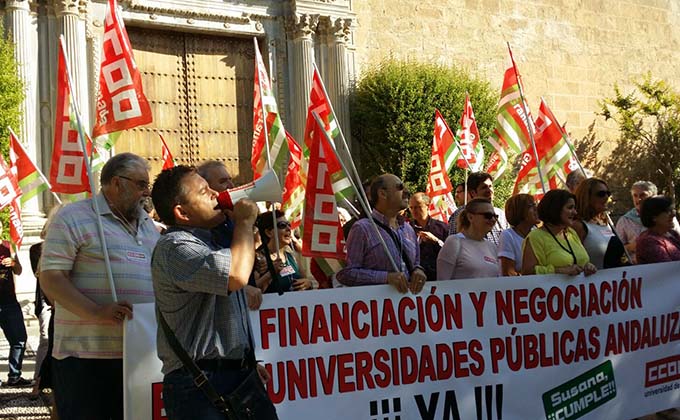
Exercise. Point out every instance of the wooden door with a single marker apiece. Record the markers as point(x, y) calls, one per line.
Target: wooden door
point(200, 89)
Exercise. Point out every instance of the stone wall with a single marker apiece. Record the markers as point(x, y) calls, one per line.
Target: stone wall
point(571, 52)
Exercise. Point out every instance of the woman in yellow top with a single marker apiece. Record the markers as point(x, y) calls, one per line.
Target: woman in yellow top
point(555, 247)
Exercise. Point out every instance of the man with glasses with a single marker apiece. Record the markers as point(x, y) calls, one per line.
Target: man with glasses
point(367, 261)
point(88, 333)
point(480, 185)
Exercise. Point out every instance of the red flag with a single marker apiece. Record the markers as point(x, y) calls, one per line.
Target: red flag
point(438, 184)
point(121, 103)
point(319, 103)
point(322, 233)
point(16, 228)
point(68, 172)
point(31, 180)
point(168, 162)
point(258, 159)
point(553, 154)
point(267, 124)
point(9, 186)
point(293, 188)
point(473, 153)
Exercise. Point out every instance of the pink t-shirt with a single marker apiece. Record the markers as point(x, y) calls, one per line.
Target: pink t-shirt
point(463, 258)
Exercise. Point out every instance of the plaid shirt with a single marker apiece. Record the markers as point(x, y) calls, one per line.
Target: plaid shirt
point(367, 262)
point(190, 277)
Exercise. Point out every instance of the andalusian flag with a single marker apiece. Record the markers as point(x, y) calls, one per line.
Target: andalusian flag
point(513, 122)
point(553, 152)
point(31, 181)
point(268, 130)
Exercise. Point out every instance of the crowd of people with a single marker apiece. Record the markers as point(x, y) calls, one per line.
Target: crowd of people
point(205, 267)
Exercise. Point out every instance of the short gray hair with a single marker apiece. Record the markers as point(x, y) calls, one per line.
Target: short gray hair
point(204, 167)
point(645, 186)
point(120, 164)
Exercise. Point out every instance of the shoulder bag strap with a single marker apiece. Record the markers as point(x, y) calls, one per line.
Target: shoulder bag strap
point(200, 380)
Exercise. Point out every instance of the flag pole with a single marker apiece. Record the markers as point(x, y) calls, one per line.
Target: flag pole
point(366, 206)
point(86, 156)
point(354, 173)
point(460, 150)
point(40, 174)
point(466, 192)
point(529, 125)
point(266, 142)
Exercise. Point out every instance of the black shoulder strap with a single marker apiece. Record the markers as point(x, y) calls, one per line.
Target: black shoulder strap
point(275, 285)
point(395, 239)
point(199, 377)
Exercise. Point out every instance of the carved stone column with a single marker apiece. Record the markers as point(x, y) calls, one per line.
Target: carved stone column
point(22, 27)
point(72, 15)
point(300, 29)
point(337, 79)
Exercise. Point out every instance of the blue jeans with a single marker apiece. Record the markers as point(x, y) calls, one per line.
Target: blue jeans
point(184, 401)
point(88, 389)
point(12, 324)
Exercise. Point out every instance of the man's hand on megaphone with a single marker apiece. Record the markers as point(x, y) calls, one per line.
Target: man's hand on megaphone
point(245, 211)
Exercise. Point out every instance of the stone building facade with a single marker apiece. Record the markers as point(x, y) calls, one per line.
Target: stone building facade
point(196, 59)
point(570, 52)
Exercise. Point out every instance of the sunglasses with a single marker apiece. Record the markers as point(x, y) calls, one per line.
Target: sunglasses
point(142, 185)
point(603, 193)
point(283, 225)
point(488, 215)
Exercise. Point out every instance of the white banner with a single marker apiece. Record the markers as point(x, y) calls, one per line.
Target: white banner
point(532, 347)
point(141, 367)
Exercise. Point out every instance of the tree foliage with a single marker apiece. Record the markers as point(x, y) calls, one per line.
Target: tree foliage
point(648, 148)
point(11, 97)
point(392, 117)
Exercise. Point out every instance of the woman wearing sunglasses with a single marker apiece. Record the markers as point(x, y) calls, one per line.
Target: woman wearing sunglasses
point(520, 212)
point(285, 272)
point(555, 247)
point(604, 247)
point(466, 254)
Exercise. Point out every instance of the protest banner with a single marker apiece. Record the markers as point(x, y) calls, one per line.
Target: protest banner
point(532, 347)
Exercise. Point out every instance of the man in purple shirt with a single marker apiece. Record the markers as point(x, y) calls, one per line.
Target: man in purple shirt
point(367, 262)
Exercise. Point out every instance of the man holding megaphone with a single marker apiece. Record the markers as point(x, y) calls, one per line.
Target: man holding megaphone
point(204, 337)
point(263, 189)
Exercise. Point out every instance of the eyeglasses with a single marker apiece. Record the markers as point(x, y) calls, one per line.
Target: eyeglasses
point(142, 185)
point(603, 193)
point(487, 215)
point(283, 225)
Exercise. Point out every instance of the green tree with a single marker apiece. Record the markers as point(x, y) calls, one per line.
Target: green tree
point(11, 97)
point(648, 148)
point(392, 117)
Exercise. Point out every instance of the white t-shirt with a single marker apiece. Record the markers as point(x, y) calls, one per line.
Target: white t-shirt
point(463, 258)
point(510, 247)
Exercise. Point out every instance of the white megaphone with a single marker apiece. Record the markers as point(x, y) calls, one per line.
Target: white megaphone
point(265, 188)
